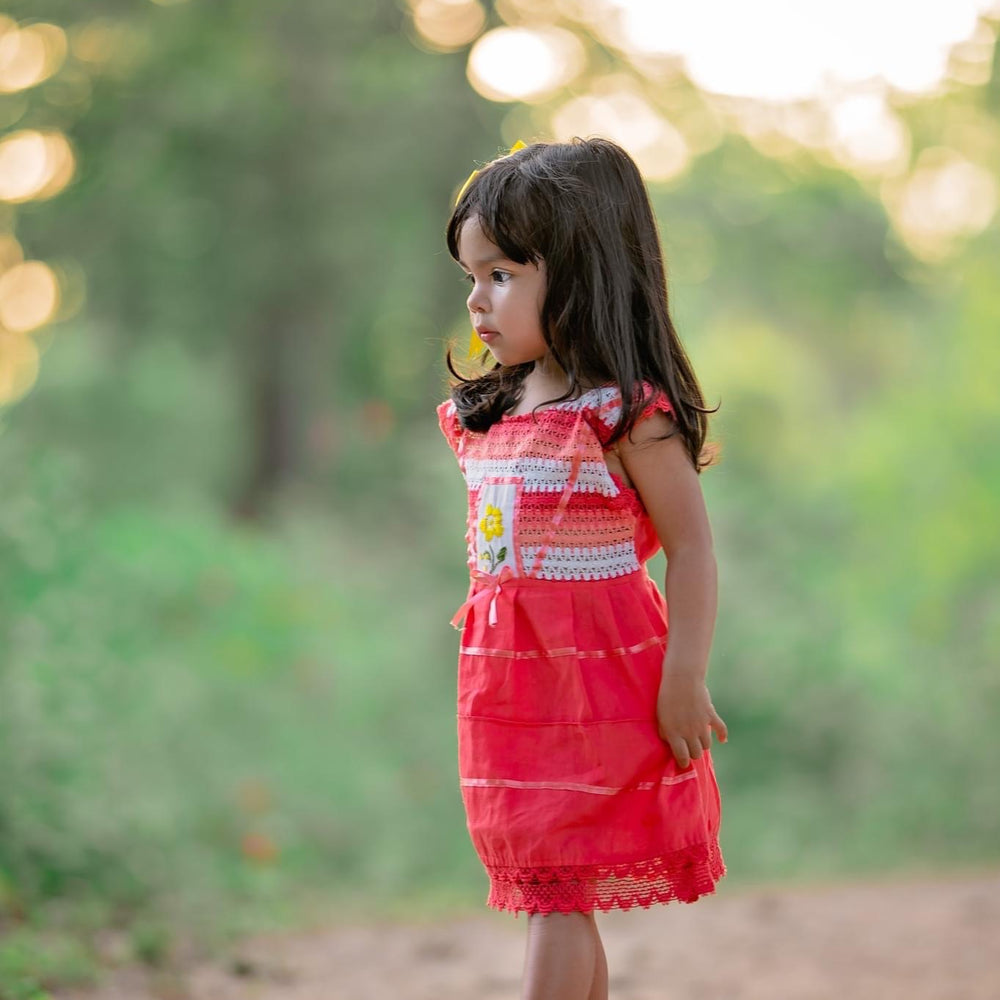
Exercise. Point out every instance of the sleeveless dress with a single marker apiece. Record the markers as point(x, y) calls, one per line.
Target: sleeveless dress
point(573, 800)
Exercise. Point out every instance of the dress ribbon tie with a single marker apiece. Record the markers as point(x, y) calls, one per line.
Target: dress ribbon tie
point(492, 590)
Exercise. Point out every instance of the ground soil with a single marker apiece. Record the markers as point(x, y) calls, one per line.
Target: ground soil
point(913, 938)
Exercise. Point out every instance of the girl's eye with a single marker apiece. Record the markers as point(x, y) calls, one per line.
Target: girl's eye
point(496, 275)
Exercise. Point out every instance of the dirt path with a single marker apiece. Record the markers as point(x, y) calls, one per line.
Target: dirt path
point(919, 939)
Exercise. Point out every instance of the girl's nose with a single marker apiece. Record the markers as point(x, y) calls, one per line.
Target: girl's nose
point(477, 298)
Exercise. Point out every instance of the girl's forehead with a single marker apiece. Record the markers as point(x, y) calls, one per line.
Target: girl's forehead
point(472, 231)
point(472, 241)
point(475, 248)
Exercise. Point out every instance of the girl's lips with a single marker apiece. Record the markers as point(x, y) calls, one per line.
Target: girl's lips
point(486, 335)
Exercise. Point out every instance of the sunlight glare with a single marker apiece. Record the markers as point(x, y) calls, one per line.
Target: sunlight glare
point(866, 137)
point(793, 49)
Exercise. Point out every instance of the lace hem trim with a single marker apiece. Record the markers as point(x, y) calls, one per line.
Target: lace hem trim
point(683, 876)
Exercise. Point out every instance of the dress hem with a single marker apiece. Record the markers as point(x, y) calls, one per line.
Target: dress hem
point(682, 876)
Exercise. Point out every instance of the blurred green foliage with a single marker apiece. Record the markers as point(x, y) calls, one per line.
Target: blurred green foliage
point(211, 722)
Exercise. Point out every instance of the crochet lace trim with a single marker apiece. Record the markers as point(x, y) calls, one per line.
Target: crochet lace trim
point(682, 876)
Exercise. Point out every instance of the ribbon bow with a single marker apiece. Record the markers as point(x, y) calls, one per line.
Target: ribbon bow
point(475, 344)
point(492, 590)
point(513, 149)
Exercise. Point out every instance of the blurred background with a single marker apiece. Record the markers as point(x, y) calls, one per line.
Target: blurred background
point(231, 534)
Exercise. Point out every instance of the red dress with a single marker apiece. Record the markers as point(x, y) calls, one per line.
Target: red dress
point(573, 800)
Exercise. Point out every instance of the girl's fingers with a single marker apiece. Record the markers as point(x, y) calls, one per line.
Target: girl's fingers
point(684, 750)
point(721, 730)
point(680, 751)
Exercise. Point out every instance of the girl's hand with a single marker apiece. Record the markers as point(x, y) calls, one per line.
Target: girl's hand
point(686, 716)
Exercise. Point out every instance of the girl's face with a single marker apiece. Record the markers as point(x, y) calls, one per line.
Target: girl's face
point(506, 297)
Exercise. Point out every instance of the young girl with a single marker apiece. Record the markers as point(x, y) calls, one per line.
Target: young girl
point(584, 736)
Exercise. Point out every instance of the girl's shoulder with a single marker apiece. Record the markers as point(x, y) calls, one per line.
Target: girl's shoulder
point(448, 421)
point(600, 406)
point(604, 406)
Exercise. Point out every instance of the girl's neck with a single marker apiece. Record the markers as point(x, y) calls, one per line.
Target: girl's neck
point(547, 379)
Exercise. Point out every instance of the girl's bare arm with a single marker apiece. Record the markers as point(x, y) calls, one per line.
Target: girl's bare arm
point(670, 488)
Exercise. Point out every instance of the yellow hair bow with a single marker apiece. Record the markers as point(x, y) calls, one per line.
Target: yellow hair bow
point(513, 149)
point(475, 344)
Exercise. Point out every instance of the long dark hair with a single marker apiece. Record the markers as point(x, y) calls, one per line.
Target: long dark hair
point(583, 208)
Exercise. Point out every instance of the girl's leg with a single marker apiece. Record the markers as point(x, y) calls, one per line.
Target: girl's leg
point(561, 956)
point(599, 989)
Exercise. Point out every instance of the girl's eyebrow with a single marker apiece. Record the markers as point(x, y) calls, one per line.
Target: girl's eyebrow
point(487, 260)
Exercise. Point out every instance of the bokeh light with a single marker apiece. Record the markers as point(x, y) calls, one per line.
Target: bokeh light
point(29, 55)
point(971, 61)
point(18, 365)
point(445, 25)
point(866, 137)
point(534, 11)
point(113, 47)
point(11, 252)
point(34, 165)
point(788, 76)
point(29, 296)
point(95, 41)
point(616, 109)
point(524, 64)
point(946, 198)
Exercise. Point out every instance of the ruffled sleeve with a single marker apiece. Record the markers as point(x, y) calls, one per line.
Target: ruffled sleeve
point(450, 427)
point(604, 417)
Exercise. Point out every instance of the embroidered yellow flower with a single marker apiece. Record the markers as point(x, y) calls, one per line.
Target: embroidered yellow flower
point(492, 524)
